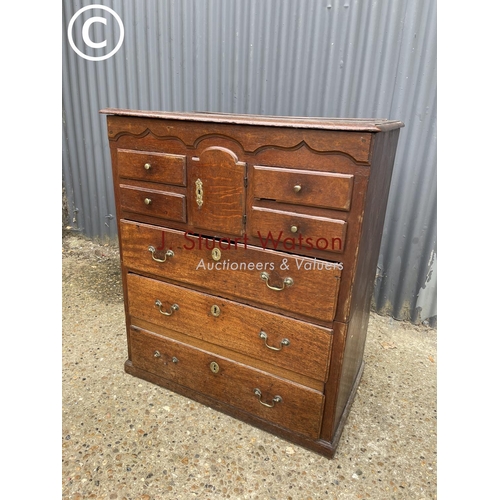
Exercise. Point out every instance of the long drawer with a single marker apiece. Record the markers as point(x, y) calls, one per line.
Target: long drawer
point(275, 339)
point(277, 400)
point(253, 275)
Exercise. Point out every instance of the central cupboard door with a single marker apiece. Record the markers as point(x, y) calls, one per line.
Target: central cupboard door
point(217, 191)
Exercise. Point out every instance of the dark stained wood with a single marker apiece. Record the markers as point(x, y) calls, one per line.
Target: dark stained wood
point(250, 139)
point(332, 386)
point(299, 410)
point(354, 124)
point(153, 202)
point(316, 189)
point(366, 265)
point(227, 182)
point(237, 326)
point(258, 363)
point(275, 229)
point(220, 204)
point(152, 167)
point(319, 446)
point(238, 272)
point(262, 364)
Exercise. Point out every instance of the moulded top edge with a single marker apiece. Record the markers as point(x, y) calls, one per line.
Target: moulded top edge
point(348, 124)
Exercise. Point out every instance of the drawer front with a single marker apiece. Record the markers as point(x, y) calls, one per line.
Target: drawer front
point(301, 187)
point(217, 191)
point(296, 232)
point(155, 167)
point(277, 340)
point(254, 275)
point(299, 409)
point(153, 202)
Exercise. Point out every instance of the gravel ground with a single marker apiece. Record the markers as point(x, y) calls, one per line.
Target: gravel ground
point(123, 438)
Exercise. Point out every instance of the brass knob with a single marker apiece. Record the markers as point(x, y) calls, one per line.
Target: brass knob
point(297, 188)
point(147, 166)
point(147, 201)
point(294, 229)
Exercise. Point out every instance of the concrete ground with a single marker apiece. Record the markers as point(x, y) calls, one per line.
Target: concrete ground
point(124, 438)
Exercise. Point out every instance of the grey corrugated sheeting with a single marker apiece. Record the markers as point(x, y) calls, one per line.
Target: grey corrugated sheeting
point(358, 59)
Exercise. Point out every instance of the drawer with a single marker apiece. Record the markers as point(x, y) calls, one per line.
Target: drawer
point(155, 167)
point(274, 399)
point(290, 284)
point(296, 232)
point(153, 202)
point(275, 339)
point(301, 187)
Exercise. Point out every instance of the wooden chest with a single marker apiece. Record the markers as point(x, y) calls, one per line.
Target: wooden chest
point(249, 246)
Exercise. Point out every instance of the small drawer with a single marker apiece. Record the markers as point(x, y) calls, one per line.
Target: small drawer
point(294, 232)
point(275, 339)
point(277, 400)
point(155, 167)
point(153, 202)
point(302, 187)
point(265, 278)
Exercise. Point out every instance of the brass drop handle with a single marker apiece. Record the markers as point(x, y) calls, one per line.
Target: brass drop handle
point(286, 282)
point(284, 342)
point(173, 308)
point(147, 166)
point(157, 354)
point(297, 188)
point(168, 253)
point(276, 399)
point(148, 201)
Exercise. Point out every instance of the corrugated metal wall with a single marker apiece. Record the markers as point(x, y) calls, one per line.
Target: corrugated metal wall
point(357, 59)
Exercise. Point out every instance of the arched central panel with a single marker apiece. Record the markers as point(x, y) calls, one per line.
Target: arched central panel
point(217, 191)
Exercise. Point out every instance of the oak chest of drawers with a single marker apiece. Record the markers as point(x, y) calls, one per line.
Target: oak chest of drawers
point(249, 247)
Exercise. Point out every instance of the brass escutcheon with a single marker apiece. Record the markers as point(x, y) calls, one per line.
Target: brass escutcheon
point(199, 192)
point(214, 367)
point(215, 310)
point(216, 254)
